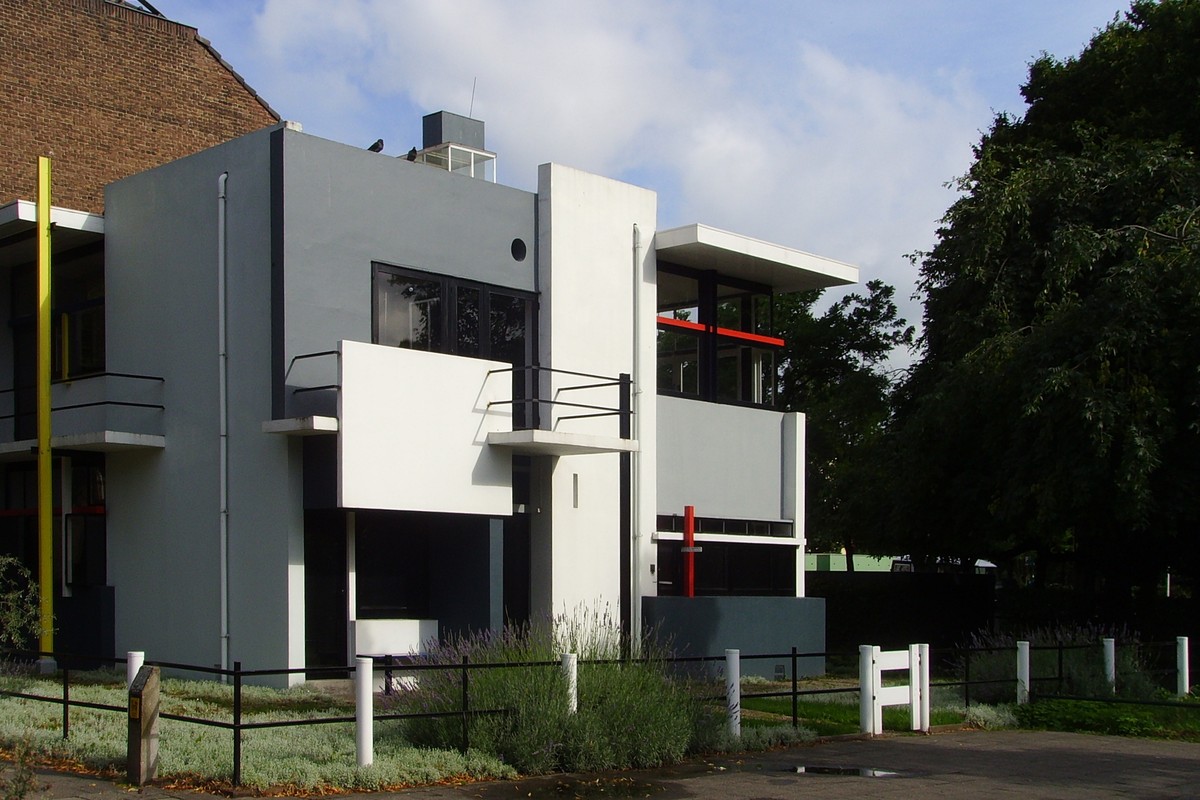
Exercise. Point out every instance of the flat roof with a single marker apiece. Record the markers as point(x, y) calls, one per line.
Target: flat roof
point(782, 268)
point(18, 225)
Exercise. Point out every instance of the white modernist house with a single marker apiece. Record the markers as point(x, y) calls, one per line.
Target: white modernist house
point(312, 401)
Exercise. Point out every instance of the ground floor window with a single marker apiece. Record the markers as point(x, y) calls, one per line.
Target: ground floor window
point(727, 568)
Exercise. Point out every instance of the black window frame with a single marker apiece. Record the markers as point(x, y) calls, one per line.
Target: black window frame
point(707, 331)
point(448, 310)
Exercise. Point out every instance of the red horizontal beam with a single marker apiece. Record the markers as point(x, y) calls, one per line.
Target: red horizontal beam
point(727, 332)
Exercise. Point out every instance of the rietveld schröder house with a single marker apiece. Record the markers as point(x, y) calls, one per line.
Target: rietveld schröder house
point(312, 401)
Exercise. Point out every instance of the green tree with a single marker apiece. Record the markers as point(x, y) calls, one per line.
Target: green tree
point(1056, 405)
point(20, 613)
point(835, 368)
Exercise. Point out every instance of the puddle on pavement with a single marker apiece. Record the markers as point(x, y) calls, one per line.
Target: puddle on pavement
point(857, 772)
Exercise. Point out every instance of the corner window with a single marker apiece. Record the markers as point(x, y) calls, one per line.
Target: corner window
point(714, 338)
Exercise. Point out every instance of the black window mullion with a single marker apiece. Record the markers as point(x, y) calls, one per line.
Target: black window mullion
point(485, 324)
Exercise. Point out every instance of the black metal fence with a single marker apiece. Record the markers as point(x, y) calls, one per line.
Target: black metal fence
point(962, 666)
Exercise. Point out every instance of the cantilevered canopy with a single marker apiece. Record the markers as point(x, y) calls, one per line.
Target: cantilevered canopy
point(18, 231)
point(781, 268)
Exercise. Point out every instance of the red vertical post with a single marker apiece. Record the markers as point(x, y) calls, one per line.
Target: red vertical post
point(689, 551)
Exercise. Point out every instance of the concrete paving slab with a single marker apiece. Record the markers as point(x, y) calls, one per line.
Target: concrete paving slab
point(977, 764)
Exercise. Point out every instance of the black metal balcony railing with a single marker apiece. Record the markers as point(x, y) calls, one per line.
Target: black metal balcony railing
point(529, 403)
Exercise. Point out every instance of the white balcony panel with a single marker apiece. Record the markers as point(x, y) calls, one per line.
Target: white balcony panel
point(730, 461)
point(413, 431)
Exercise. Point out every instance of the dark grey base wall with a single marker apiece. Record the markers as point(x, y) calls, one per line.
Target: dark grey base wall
point(708, 626)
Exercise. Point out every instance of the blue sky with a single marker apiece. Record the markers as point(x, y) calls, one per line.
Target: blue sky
point(827, 126)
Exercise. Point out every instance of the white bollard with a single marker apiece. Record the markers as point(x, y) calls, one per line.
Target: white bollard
point(1022, 673)
point(1182, 679)
point(1110, 663)
point(570, 668)
point(733, 691)
point(915, 701)
point(134, 659)
point(866, 689)
point(364, 713)
point(926, 666)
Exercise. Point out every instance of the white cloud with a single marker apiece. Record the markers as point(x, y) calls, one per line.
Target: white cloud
point(794, 144)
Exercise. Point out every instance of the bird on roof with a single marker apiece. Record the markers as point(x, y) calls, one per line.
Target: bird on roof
point(377, 147)
point(412, 154)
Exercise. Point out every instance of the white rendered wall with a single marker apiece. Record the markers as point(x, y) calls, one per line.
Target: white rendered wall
point(413, 431)
point(593, 272)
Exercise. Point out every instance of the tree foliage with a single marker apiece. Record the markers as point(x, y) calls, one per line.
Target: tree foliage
point(20, 612)
point(1056, 407)
point(835, 370)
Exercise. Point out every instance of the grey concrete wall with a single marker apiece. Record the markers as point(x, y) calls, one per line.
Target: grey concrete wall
point(708, 626)
point(341, 208)
point(345, 207)
point(163, 507)
point(727, 461)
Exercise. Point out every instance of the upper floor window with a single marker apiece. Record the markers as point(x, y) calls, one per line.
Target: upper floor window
point(714, 337)
point(423, 311)
point(77, 314)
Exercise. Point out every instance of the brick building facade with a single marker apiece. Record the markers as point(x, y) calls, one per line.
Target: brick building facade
point(108, 90)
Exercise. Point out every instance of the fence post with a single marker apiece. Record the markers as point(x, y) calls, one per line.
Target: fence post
point(926, 669)
point(1182, 679)
point(733, 691)
point(795, 688)
point(570, 669)
point(364, 712)
point(133, 662)
point(1061, 679)
point(1022, 673)
point(967, 678)
point(1110, 663)
point(237, 723)
point(914, 687)
point(466, 701)
point(866, 689)
point(66, 683)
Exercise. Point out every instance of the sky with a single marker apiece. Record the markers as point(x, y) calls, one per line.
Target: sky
point(829, 126)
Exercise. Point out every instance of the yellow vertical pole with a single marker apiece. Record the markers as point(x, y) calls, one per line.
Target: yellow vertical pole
point(44, 463)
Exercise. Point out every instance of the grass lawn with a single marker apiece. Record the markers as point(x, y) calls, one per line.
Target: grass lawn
point(1118, 719)
point(831, 717)
point(310, 757)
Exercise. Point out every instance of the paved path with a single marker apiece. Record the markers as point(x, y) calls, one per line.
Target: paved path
point(975, 764)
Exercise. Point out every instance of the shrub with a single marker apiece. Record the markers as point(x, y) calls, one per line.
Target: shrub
point(18, 780)
point(631, 713)
point(1082, 663)
point(20, 611)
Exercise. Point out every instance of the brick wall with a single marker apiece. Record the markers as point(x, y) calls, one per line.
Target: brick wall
point(108, 91)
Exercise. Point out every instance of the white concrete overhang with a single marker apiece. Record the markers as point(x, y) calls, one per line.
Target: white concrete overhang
point(71, 229)
point(557, 443)
point(302, 426)
point(92, 441)
point(781, 268)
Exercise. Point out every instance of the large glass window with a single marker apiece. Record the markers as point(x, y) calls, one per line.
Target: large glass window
point(715, 337)
point(408, 311)
point(424, 311)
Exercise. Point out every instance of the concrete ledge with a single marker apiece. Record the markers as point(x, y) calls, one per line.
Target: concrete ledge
point(302, 426)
